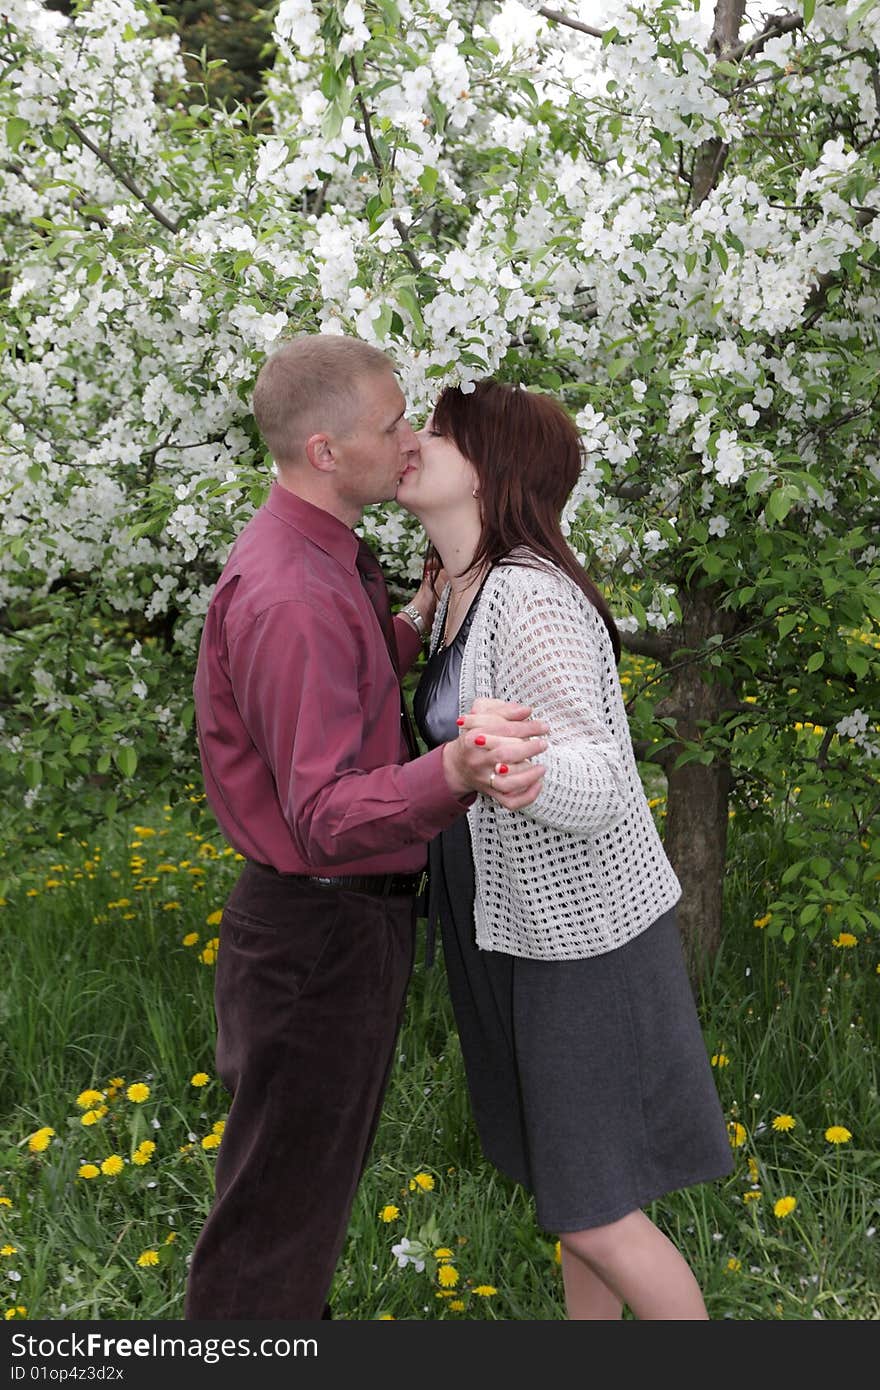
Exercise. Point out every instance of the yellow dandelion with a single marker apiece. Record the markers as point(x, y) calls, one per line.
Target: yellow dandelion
point(838, 1134)
point(218, 1126)
point(170, 907)
point(423, 1181)
point(8, 1249)
point(557, 1252)
point(191, 938)
point(752, 1196)
point(140, 1159)
point(88, 1171)
point(201, 1078)
point(845, 940)
point(443, 1253)
point(737, 1133)
point(784, 1207)
point(447, 1276)
point(385, 1317)
point(485, 1291)
point(753, 1169)
point(171, 1238)
point(86, 1099)
point(209, 955)
point(166, 868)
point(146, 1146)
point(138, 1092)
point(91, 1117)
point(40, 1140)
point(734, 1265)
point(116, 1082)
point(456, 1306)
point(5, 1201)
point(112, 1166)
point(762, 921)
point(19, 1312)
point(720, 1059)
point(784, 1123)
point(211, 1141)
point(147, 1258)
point(144, 831)
point(389, 1213)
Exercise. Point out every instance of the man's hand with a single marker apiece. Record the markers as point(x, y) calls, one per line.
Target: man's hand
point(495, 735)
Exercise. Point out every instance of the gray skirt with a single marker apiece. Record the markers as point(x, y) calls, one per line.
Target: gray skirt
point(589, 1079)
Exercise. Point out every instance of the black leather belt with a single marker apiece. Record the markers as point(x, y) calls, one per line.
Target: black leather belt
point(380, 885)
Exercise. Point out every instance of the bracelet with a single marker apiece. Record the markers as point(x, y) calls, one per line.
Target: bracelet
point(415, 617)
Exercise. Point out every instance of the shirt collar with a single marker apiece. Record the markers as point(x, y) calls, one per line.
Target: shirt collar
point(322, 528)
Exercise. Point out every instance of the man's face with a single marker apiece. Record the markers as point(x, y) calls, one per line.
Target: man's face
point(372, 457)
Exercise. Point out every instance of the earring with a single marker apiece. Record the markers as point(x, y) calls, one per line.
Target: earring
point(475, 493)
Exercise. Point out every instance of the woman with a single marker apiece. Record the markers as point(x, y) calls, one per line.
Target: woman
point(584, 1057)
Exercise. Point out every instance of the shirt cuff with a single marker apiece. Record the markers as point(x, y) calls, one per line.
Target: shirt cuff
point(432, 804)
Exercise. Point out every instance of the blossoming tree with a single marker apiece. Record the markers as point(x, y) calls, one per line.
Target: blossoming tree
point(674, 229)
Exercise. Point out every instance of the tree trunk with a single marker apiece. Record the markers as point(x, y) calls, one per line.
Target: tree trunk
point(695, 836)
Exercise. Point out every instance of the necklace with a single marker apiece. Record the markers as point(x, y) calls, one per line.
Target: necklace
point(444, 636)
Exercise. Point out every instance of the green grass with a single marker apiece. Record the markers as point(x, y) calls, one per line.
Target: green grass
point(92, 991)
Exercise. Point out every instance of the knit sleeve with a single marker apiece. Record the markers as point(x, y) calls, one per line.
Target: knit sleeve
point(552, 655)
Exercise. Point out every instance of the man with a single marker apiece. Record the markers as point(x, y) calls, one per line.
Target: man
point(308, 764)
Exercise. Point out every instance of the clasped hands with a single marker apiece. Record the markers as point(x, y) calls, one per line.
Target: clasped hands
point(492, 754)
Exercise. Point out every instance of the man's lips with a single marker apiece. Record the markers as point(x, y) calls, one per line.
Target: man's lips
point(409, 469)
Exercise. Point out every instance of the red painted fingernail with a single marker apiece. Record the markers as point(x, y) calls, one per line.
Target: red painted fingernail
point(479, 740)
point(459, 722)
point(502, 769)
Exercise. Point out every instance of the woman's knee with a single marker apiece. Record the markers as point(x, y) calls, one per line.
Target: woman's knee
point(597, 1243)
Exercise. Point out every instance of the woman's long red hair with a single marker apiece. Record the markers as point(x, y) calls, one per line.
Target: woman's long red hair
point(527, 455)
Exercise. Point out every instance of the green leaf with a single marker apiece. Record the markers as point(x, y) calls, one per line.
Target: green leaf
point(16, 129)
point(78, 744)
point(809, 914)
point(428, 180)
point(810, 10)
point(728, 69)
point(786, 623)
point(33, 772)
point(407, 299)
point(816, 661)
point(779, 504)
point(126, 760)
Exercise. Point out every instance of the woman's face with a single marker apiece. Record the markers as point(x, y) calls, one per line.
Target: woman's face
point(439, 478)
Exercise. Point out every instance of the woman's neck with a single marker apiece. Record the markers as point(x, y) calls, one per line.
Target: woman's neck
point(456, 540)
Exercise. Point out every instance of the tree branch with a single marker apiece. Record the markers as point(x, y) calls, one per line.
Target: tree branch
point(725, 30)
point(121, 175)
point(777, 26)
point(382, 171)
point(559, 18)
point(650, 644)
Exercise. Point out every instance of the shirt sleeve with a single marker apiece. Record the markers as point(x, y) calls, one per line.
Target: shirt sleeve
point(550, 657)
point(296, 678)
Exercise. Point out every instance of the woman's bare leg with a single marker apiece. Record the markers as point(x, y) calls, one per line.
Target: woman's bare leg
point(637, 1262)
point(587, 1299)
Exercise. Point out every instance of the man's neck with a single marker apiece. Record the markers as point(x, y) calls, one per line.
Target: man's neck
point(311, 491)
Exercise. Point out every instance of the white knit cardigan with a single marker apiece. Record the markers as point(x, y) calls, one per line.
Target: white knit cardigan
point(582, 869)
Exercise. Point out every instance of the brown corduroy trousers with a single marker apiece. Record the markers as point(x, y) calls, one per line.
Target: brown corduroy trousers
point(309, 995)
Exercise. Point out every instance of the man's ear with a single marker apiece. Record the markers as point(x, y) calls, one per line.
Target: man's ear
point(319, 452)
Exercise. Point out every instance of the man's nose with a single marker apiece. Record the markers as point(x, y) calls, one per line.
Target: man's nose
point(409, 440)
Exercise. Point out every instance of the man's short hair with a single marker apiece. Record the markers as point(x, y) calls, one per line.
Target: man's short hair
point(309, 385)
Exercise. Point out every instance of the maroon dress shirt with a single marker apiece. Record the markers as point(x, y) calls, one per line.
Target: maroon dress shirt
point(298, 707)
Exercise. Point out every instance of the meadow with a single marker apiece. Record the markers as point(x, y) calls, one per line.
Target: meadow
point(112, 1114)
